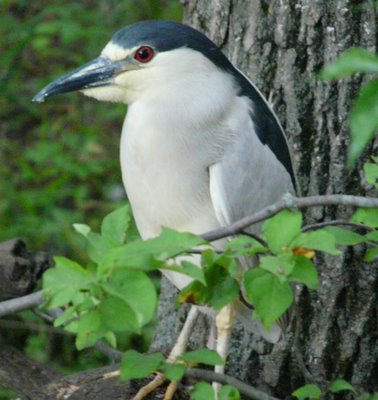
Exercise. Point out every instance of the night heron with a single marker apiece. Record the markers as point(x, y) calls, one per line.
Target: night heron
point(200, 145)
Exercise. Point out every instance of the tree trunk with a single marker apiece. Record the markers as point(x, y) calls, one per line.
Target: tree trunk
point(282, 45)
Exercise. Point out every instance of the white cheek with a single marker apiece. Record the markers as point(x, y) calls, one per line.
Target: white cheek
point(106, 93)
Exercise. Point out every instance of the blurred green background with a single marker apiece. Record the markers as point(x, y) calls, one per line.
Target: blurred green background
point(59, 159)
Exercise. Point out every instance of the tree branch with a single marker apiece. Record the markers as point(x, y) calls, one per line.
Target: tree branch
point(210, 376)
point(21, 303)
point(336, 222)
point(287, 201)
point(290, 202)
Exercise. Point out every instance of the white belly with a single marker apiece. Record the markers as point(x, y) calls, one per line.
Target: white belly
point(166, 179)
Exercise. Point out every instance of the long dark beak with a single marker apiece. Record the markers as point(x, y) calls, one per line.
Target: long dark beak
point(98, 72)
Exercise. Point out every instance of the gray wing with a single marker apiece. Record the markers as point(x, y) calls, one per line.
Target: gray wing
point(255, 170)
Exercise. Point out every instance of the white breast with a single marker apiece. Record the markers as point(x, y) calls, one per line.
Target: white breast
point(169, 140)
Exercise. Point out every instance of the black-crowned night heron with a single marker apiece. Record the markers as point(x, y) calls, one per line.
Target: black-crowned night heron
point(200, 145)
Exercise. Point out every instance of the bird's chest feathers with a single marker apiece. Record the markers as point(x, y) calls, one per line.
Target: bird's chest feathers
point(165, 169)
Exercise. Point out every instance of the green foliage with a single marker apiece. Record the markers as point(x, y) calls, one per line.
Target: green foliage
point(345, 237)
point(363, 120)
point(109, 286)
point(366, 216)
point(216, 287)
point(60, 158)
point(280, 230)
point(270, 297)
point(369, 397)
point(364, 116)
point(202, 391)
point(351, 62)
point(135, 365)
point(173, 372)
point(268, 285)
point(104, 297)
point(309, 391)
point(371, 172)
point(229, 393)
point(340, 385)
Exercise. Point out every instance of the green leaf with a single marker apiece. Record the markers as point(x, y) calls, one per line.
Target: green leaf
point(317, 240)
point(137, 290)
point(203, 356)
point(88, 329)
point(341, 384)
point(371, 174)
point(115, 225)
point(229, 393)
point(150, 254)
point(281, 265)
point(111, 338)
point(82, 229)
point(366, 216)
point(117, 315)
point(221, 289)
point(193, 271)
point(304, 272)
point(280, 230)
point(351, 61)
point(372, 236)
point(62, 282)
point(368, 397)
point(307, 392)
point(67, 315)
point(363, 120)
point(98, 247)
point(270, 297)
point(202, 391)
point(135, 365)
point(345, 237)
point(245, 246)
point(173, 372)
point(371, 254)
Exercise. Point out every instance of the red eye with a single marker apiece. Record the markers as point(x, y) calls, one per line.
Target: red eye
point(144, 54)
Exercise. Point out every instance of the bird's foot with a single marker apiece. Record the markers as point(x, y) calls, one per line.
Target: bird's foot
point(177, 350)
point(150, 387)
point(153, 385)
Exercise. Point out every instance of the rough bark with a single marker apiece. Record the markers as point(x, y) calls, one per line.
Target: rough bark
point(20, 269)
point(281, 46)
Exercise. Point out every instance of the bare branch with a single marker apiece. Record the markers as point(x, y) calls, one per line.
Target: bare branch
point(210, 376)
point(336, 222)
point(290, 202)
point(21, 303)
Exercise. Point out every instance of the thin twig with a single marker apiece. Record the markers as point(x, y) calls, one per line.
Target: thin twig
point(290, 202)
point(33, 326)
point(109, 351)
point(102, 347)
point(336, 222)
point(210, 376)
point(256, 237)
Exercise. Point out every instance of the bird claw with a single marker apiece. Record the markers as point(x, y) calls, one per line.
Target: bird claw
point(150, 387)
point(153, 385)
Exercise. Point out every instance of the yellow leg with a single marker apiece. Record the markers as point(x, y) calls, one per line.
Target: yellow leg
point(224, 321)
point(177, 350)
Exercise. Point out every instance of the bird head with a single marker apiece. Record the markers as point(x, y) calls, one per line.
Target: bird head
point(140, 60)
